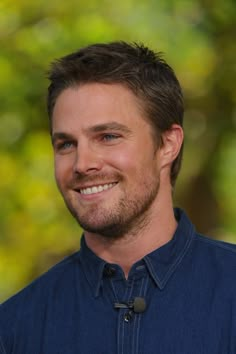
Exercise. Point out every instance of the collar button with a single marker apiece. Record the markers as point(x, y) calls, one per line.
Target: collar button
point(109, 271)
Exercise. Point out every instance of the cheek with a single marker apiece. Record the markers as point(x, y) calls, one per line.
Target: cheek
point(138, 159)
point(123, 160)
point(58, 176)
point(62, 169)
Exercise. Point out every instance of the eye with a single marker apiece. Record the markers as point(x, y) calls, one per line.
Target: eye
point(64, 146)
point(110, 137)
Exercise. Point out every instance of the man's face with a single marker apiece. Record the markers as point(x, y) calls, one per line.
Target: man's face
point(106, 164)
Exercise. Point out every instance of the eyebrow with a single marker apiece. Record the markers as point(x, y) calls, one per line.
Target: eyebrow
point(109, 126)
point(61, 136)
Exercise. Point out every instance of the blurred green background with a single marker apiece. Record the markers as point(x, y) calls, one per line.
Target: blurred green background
point(198, 39)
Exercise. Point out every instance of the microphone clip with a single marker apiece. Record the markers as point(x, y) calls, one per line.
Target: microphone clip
point(138, 305)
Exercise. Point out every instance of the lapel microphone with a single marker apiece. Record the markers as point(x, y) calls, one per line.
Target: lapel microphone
point(138, 305)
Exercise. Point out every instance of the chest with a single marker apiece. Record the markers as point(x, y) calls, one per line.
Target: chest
point(175, 321)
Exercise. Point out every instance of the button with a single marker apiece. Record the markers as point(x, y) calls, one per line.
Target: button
point(141, 267)
point(127, 316)
point(109, 271)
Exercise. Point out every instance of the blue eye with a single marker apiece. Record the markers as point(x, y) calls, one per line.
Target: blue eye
point(64, 146)
point(109, 137)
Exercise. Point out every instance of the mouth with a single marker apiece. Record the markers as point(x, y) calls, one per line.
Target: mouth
point(96, 189)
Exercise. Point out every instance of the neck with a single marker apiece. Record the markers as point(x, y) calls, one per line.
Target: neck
point(134, 246)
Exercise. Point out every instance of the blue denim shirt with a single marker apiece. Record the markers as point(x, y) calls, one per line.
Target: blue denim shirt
point(189, 286)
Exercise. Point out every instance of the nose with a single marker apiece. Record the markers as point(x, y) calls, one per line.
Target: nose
point(87, 160)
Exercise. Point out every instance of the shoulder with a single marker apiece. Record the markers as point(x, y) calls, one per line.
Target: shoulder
point(215, 260)
point(29, 308)
point(36, 292)
point(203, 252)
point(216, 247)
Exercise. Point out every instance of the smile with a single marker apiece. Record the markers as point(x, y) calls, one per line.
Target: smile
point(97, 189)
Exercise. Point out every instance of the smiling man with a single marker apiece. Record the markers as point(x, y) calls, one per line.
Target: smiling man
point(143, 282)
point(109, 181)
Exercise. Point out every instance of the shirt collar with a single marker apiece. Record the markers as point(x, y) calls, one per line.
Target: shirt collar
point(160, 263)
point(163, 261)
point(92, 265)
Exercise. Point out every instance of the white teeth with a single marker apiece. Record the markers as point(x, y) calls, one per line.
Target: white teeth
point(96, 189)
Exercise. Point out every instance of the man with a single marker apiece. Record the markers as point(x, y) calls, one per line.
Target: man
point(144, 282)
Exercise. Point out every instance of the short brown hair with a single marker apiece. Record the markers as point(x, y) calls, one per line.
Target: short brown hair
point(135, 66)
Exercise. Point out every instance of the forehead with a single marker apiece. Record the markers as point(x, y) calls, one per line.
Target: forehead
point(97, 103)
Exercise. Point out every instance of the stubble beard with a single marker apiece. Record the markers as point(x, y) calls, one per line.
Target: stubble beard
point(128, 215)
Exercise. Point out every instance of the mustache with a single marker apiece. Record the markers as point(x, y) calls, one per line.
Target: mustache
point(81, 178)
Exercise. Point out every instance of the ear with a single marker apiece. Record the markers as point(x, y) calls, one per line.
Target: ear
point(172, 141)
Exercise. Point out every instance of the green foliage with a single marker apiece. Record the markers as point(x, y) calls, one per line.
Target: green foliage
point(199, 41)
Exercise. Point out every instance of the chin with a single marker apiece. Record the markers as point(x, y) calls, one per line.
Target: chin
point(110, 230)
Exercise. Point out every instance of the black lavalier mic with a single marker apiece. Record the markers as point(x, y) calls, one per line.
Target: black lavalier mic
point(138, 305)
